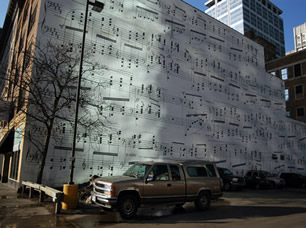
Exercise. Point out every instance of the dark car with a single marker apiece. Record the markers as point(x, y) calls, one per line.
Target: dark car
point(294, 179)
point(263, 179)
point(231, 181)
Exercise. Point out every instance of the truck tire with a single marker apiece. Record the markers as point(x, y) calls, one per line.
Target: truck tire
point(127, 206)
point(227, 186)
point(202, 203)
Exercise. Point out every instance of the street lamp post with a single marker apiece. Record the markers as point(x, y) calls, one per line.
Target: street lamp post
point(98, 7)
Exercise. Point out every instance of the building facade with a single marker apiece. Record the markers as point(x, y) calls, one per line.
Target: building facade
point(174, 84)
point(300, 37)
point(292, 70)
point(261, 16)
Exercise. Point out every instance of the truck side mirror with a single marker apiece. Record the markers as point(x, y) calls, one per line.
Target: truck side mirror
point(149, 178)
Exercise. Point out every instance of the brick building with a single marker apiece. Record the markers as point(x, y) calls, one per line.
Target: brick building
point(292, 69)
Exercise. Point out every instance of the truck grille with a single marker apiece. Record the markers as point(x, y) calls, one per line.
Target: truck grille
point(100, 185)
point(241, 179)
point(99, 190)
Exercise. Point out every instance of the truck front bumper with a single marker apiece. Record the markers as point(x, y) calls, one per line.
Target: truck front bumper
point(103, 201)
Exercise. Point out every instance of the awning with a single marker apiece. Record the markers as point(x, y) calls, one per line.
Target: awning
point(6, 144)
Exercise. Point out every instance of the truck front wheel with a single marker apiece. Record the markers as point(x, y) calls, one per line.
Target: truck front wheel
point(203, 201)
point(128, 206)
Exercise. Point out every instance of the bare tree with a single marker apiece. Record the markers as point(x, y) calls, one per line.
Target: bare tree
point(44, 90)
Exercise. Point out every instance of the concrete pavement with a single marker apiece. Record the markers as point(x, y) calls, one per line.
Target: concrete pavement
point(248, 208)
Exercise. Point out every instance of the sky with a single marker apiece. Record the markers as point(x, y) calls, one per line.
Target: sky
point(293, 15)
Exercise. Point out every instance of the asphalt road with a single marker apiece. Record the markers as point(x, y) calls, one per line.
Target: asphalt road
point(248, 208)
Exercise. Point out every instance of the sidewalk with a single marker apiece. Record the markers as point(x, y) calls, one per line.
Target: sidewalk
point(18, 210)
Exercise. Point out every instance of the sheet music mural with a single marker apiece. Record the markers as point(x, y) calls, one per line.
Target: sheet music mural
point(176, 84)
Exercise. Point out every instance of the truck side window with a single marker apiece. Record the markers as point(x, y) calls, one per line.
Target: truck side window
point(211, 170)
point(175, 173)
point(160, 173)
point(197, 171)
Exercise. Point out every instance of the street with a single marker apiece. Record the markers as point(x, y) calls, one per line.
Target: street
point(248, 208)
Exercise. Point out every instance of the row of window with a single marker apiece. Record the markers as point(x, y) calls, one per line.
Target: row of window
point(261, 3)
point(280, 47)
point(299, 93)
point(300, 112)
point(297, 72)
point(161, 172)
point(273, 31)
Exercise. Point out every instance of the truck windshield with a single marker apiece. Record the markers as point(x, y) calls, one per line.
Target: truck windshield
point(137, 170)
point(227, 172)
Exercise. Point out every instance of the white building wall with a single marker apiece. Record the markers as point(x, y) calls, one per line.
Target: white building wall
point(176, 84)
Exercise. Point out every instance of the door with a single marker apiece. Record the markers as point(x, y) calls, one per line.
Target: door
point(157, 185)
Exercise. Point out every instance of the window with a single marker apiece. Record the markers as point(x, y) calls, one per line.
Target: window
point(14, 165)
point(284, 73)
point(300, 111)
point(269, 6)
point(286, 94)
point(175, 173)
point(281, 24)
point(299, 92)
point(137, 170)
point(273, 73)
point(159, 173)
point(197, 171)
point(258, 8)
point(297, 70)
point(32, 19)
point(211, 170)
point(288, 114)
point(276, 24)
point(299, 89)
point(265, 13)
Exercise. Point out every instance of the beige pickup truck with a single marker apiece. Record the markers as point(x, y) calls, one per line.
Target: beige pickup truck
point(149, 183)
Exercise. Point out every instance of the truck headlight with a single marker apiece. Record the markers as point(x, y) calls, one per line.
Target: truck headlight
point(235, 179)
point(109, 191)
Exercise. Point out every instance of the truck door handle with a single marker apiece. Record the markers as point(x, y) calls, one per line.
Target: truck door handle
point(168, 185)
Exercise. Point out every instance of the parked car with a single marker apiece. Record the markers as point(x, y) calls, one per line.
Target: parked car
point(263, 179)
point(231, 181)
point(294, 179)
point(148, 183)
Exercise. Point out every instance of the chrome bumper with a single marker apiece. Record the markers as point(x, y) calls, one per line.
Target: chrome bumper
point(103, 201)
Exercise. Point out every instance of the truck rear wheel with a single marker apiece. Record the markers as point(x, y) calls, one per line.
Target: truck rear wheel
point(202, 203)
point(128, 206)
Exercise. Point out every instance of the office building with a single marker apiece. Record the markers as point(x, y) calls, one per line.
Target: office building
point(171, 83)
point(262, 16)
point(300, 37)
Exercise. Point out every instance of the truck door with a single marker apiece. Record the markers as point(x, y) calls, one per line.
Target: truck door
point(157, 185)
point(178, 187)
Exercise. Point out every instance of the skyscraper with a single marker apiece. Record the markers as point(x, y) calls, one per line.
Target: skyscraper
point(300, 37)
point(262, 16)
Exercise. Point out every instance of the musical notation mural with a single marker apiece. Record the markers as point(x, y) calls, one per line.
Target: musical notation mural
point(176, 84)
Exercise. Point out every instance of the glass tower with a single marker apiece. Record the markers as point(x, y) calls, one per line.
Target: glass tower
point(262, 16)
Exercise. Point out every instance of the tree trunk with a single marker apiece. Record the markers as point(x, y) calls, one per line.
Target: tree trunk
point(44, 155)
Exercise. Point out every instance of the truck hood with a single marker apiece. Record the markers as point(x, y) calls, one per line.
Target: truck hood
point(114, 179)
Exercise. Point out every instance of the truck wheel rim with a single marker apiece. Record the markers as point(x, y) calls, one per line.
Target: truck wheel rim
point(128, 207)
point(203, 200)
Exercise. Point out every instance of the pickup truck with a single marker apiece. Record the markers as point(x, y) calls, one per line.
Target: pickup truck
point(149, 183)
